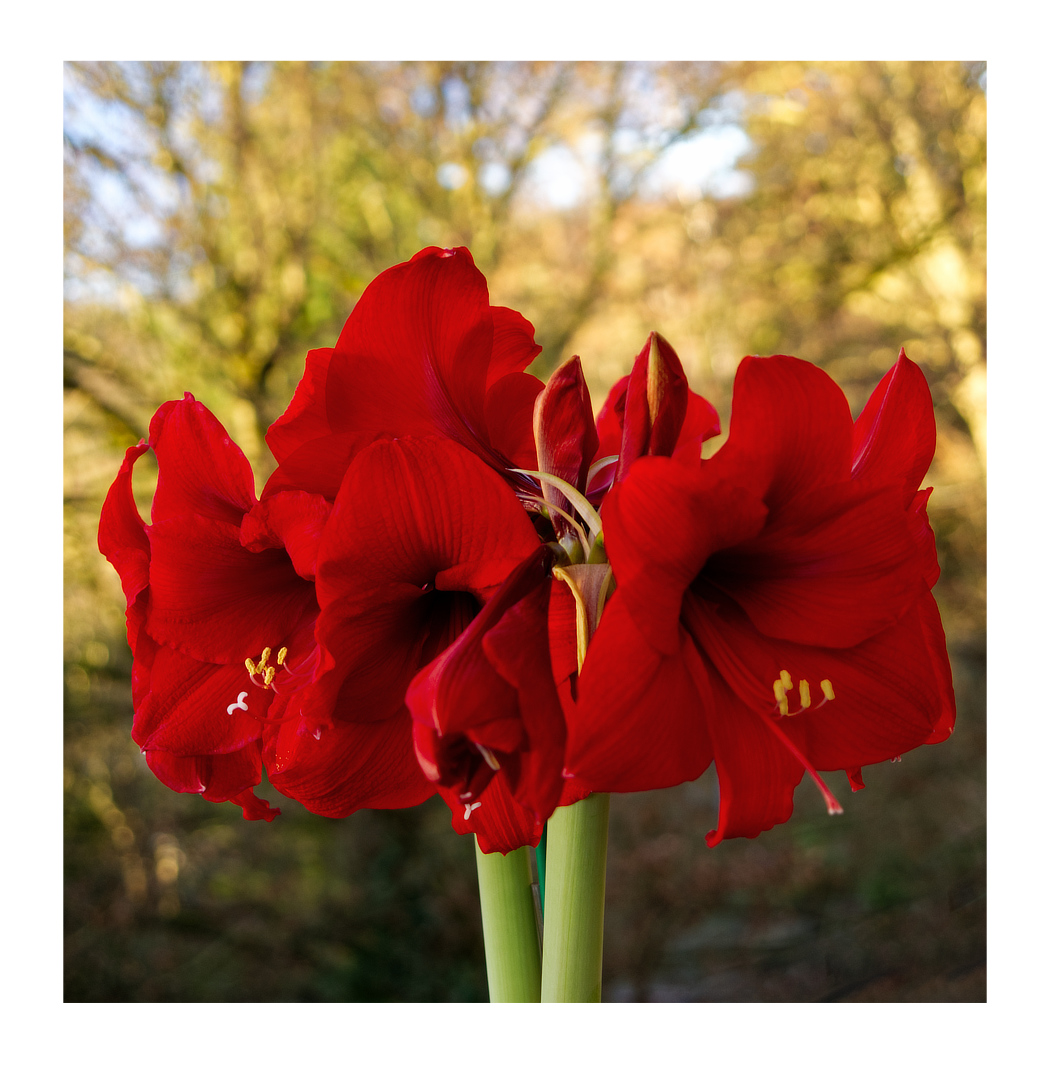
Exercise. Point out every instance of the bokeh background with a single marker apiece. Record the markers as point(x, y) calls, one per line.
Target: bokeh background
point(222, 219)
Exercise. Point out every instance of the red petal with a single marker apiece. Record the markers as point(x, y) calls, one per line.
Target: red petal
point(347, 767)
point(513, 344)
point(610, 419)
point(293, 521)
point(122, 533)
point(187, 709)
point(790, 430)
point(661, 523)
point(832, 567)
point(757, 774)
point(318, 466)
point(414, 356)
point(306, 417)
point(566, 440)
point(201, 470)
point(895, 436)
point(411, 515)
point(500, 822)
point(639, 721)
point(892, 692)
point(217, 778)
point(508, 415)
point(701, 420)
point(216, 600)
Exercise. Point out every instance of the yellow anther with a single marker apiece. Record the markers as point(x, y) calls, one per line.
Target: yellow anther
point(803, 693)
point(262, 658)
point(785, 680)
point(268, 676)
point(778, 691)
point(825, 687)
point(250, 667)
point(281, 656)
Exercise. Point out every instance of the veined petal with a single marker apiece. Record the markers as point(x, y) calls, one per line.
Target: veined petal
point(293, 521)
point(639, 720)
point(422, 532)
point(895, 436)
point(217, 778)
point(888, 694)
point(196, 708)
point(201, 471)
point(832, 567)
point(217, 601)
point(790, 430)
point(500, 822)
point(662, 522)
point(757, 774)
point(318, 466)
point(347, 767)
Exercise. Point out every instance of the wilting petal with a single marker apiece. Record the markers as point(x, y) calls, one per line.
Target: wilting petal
point(306, 417)
point(661, 523)
point(895, 436)
point(790, 430)
point(293, 521)
point(833, 567)
point(216, 778)
point(217, 601)
point(201, 471)
point(347, 767)
point(639, 721)
point(196, 708)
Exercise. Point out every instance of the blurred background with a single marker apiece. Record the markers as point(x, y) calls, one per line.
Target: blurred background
point(222, 219)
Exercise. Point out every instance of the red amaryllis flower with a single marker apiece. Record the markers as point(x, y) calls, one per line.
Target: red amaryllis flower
point(422, 354)
point(773, 611)
point(421, 535)
point(221, 604)
point(487, 719)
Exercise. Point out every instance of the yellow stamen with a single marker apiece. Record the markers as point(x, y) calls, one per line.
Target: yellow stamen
point(785, 679)
point(825, 687)
point(281, 656)
point(780, 696)
point(803, 693)
point(250, 667)
point(262, 658)
point(268, 676)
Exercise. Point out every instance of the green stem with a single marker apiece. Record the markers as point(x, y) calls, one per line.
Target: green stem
point(574, 904)
point(508, 919)
point(541, 865)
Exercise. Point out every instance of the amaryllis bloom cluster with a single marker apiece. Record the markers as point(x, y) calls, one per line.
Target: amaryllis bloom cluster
point(458, 581)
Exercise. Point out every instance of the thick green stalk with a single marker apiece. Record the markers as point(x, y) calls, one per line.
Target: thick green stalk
point(574, 901)
point(508, 919)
